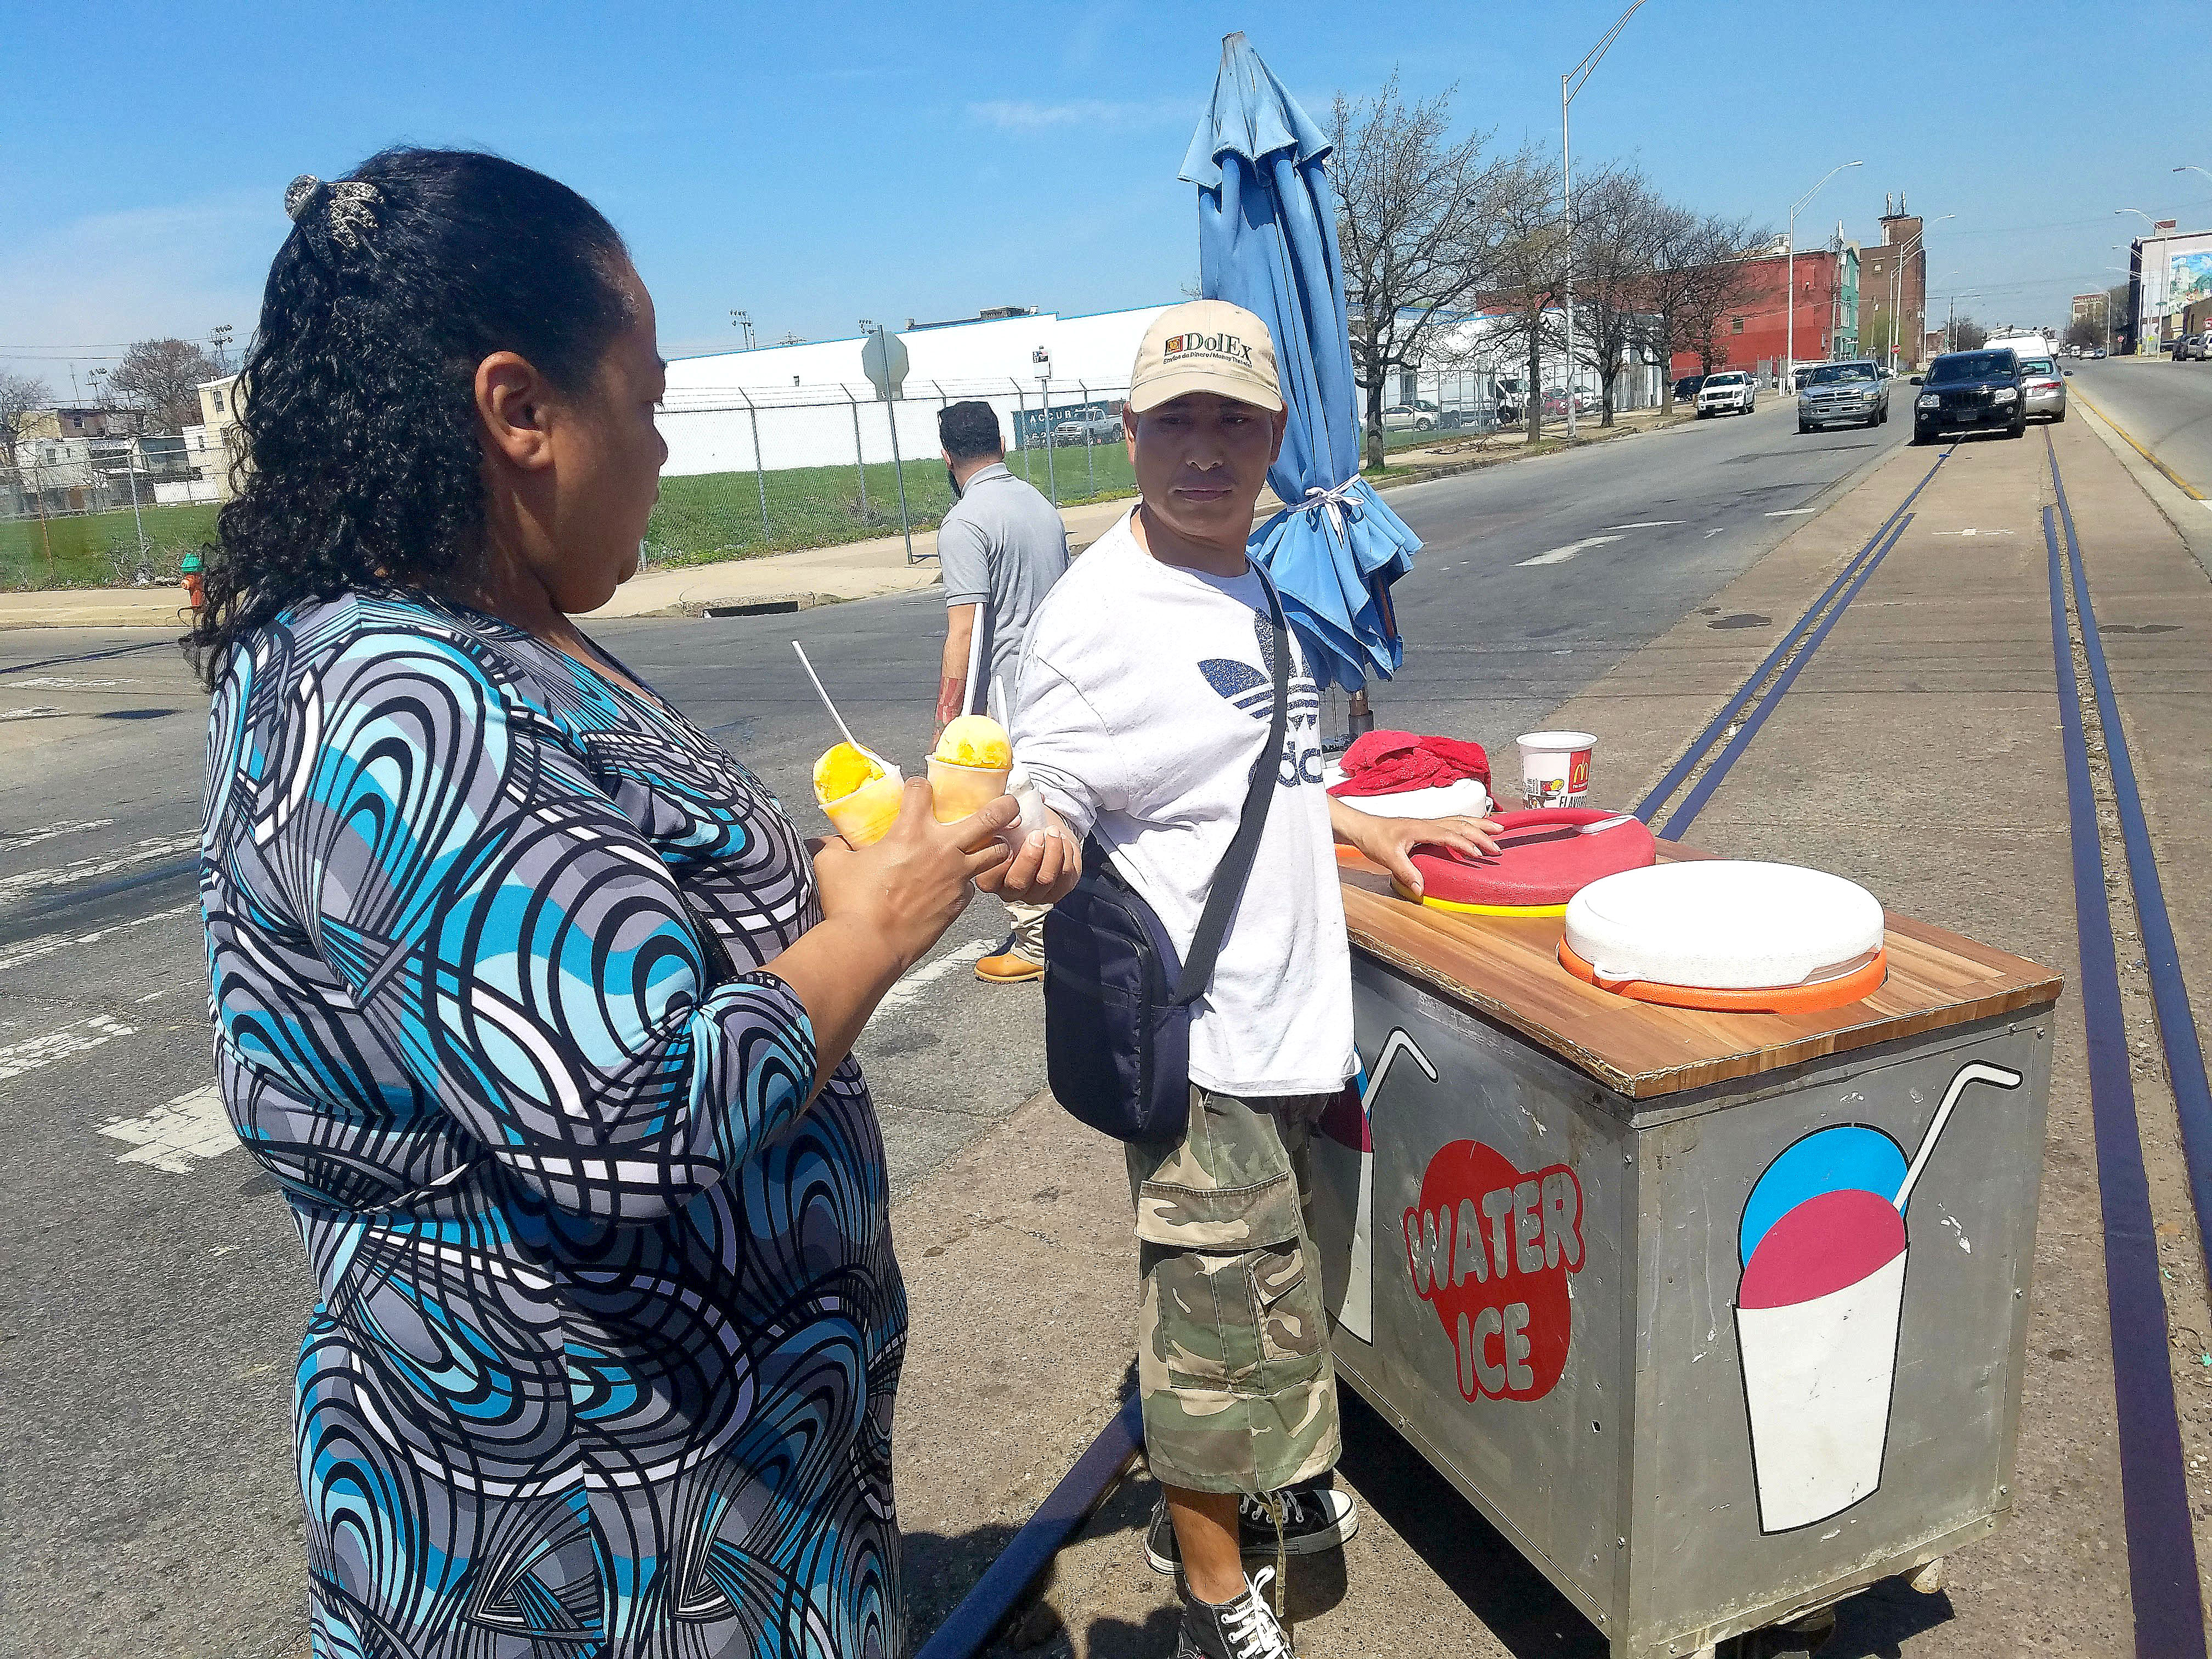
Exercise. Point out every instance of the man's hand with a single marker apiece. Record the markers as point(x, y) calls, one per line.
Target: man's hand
point(1391, 841)
point(1043, 870)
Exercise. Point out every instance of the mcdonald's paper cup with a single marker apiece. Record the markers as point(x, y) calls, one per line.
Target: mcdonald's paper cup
point(1555, 767)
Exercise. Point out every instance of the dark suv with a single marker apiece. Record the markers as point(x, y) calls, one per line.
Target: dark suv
point(1969, 391)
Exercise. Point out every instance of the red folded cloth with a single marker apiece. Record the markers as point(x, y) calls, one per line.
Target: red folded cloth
point(1388, 763)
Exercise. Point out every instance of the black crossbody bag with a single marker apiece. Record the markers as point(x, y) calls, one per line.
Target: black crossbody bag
point(1118, 1001)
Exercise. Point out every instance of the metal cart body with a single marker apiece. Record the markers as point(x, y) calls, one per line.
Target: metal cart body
point(1544, 1296)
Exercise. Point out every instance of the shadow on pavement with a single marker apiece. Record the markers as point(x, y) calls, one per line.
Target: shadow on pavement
point(1512, 1599)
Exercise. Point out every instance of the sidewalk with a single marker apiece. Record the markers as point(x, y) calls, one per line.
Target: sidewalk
point(811, 576)
point(1918, 754)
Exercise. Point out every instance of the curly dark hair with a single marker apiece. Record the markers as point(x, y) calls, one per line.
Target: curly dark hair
point(361, 465)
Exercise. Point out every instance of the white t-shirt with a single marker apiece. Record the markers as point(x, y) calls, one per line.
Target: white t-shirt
point(1144, 702)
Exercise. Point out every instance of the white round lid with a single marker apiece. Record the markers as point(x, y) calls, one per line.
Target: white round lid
point(1723, 924)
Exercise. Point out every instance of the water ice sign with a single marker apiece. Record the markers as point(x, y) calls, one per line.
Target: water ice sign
point(1821, 1306)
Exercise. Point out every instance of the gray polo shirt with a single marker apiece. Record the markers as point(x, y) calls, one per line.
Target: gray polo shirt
point(1002, 546)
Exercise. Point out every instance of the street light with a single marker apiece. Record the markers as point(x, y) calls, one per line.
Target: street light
point(1789, 348)
point(2190, 167)
point(1897, 287)
point(1570, 84)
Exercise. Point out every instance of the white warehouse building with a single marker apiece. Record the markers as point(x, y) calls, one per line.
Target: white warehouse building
point(810, 405)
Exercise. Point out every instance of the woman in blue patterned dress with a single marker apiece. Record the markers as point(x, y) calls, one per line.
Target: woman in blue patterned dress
point(528, 994)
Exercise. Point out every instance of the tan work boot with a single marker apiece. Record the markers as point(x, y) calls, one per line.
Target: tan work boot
point(1009, 967)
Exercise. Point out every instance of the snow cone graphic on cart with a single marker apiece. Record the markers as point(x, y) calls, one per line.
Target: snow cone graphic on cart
point(1819, 1307)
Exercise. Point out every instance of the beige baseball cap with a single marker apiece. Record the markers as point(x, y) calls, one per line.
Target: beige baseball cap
point(1206, 345)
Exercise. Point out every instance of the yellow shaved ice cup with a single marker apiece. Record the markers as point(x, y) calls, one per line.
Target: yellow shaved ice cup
point(864, 816)
point(960, 792)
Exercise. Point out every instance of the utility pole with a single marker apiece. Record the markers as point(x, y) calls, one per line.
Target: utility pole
point(1570, 84)
point(743, 320)
point(219, 337)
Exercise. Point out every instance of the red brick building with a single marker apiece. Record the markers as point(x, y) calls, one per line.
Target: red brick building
point(1756, 332)
point(1900, 258)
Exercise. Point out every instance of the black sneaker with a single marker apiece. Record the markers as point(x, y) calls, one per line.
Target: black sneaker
point(1245, 1628)
point(1314, 1518)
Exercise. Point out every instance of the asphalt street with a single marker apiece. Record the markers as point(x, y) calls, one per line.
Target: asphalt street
point(157, 1295)
point(2165, 406)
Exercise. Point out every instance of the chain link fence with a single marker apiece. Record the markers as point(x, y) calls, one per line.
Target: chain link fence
point(764, 469)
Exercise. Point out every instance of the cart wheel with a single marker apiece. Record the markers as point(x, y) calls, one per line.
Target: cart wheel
point(1797, 1640)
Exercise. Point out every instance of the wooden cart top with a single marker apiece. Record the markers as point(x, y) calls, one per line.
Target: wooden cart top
point(1508, 969)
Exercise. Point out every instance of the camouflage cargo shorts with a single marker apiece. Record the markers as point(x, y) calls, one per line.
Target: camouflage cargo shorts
point(1232, 1349)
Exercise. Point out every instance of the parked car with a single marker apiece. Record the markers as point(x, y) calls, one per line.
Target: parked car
point(1687, 388)
point(2202, 349)
point(1969, 391)
point(2045, 385)
point(2096, 351)
point(1088, 429)
point(1841, 394)
point(1731, 391)
point(2185, 347)
point(1409, 417)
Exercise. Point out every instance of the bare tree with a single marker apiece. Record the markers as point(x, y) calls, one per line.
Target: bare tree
point(165, 376)
point(1622, 229)
point(1413, 229)
point(19, 395)
point(1529, 251)
point(1967, 335)
point(1723, 280)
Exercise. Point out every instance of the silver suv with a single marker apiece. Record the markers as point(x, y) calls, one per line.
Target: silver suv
point(2043, 384)
point(1842, 394)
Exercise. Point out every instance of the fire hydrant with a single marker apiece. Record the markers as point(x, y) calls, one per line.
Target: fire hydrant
point(191, 567)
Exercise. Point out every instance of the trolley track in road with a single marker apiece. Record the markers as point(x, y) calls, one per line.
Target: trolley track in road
point(2162, 1568)
point(168, 642)
point(1773, 677)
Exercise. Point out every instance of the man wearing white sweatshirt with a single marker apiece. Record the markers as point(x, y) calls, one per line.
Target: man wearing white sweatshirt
point(1146, 701)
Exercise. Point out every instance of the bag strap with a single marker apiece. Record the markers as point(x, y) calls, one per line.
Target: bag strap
point(1235, 866)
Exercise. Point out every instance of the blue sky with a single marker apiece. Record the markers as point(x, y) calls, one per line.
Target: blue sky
point(816, 164)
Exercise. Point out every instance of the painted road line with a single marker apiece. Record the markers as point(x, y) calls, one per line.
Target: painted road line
point(168, 644)
point(1561, 554)
point(918, 979)
point(1649, 806)
point(40, 713)
point(1702, 791)
point(1792, 512)
point(47, 831)
point(178, 1137)
point(2168, 1606)
point(1648, 524)
point(79, 1037)
point(45, 945)
point(48, 682)
point(2173, 478)
point(66, 875)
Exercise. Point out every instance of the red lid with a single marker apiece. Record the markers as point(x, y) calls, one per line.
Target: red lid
point(1541, 859)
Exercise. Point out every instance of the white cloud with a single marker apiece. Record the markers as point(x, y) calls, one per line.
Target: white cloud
point(179, 269)
point(1022, 115)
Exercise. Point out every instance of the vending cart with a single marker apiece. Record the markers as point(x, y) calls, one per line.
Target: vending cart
point(1718, 1316)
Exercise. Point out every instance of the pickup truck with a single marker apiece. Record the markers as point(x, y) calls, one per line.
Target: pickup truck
point(1088, 429)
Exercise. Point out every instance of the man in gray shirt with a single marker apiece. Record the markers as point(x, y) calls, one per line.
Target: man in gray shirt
point(1000, 548)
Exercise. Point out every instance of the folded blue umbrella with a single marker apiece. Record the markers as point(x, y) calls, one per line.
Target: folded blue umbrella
point(1267, 240)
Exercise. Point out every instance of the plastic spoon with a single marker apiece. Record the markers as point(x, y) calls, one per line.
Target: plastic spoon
point(825, 696)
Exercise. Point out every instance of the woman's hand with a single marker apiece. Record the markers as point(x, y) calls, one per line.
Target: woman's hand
point(1390, 841)
point(907, 889)
point(1043, 870)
